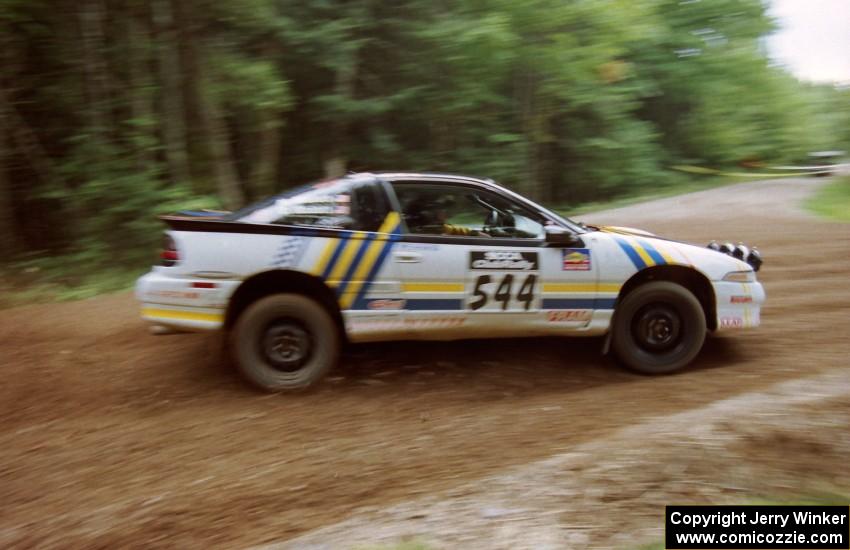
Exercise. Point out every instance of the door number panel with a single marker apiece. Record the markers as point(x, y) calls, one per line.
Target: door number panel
point(503, 280)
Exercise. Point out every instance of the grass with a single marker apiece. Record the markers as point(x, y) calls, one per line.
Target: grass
point(62, 278)
point(832, 201)
point(821, 498)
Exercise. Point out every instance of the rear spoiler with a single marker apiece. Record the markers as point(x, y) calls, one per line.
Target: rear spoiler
point(177, 219)
point(219, 224)
point(194, 220)
point(206, 213)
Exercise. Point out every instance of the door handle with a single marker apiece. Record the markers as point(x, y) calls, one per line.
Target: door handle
point(408, 257)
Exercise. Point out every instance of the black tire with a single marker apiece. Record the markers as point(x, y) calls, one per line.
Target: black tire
point(284, 342)
point(658, 328)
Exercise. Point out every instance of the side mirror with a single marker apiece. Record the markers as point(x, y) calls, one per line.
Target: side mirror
point(560, 237)
point(499, 219)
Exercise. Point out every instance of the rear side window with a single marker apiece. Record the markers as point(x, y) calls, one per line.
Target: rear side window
point(369, 207)
point(339, 204)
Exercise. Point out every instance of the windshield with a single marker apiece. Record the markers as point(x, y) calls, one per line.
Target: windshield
point(576, 227)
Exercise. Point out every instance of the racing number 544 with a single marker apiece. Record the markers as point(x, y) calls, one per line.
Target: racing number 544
point(525, 294)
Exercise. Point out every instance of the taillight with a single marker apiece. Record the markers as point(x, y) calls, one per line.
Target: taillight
point(169, 255)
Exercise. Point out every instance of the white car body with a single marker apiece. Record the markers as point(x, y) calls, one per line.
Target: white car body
point(390, 284)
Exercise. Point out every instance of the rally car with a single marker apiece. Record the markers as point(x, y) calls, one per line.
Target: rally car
point(401, 256)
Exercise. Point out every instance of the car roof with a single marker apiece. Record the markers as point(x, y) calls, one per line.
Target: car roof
point(436, 176)
point(430, 175)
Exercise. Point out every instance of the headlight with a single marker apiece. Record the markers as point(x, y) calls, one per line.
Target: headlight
point(740, 276)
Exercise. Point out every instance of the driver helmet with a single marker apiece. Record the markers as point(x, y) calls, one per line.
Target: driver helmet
point(428, 210)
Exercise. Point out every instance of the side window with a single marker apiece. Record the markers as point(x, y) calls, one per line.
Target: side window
point(339, 204)
point(444, 209)
point(330, 210)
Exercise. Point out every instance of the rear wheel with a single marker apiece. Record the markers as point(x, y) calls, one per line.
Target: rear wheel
point(285, 342)
point(658, 328)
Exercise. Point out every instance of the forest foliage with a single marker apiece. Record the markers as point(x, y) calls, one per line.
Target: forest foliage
point(112, 111)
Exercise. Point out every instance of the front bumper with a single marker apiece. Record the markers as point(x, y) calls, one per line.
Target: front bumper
point(738, 304)
point(182, 303)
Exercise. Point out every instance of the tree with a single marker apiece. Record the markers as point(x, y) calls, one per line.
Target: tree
point(115, 110)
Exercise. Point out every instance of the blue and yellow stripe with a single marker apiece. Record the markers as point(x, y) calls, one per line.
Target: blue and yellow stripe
point(642, 252)
point(352, 262)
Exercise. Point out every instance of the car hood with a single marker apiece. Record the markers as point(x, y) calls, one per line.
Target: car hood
point(628, 230)
point(713, 264)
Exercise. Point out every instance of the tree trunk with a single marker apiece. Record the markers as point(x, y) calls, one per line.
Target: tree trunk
point(172, 118)
point(24, 138)
point(336, 162)
point(217, 135)
point(221, 156)
point(208, 127)
point(269, 139)
point(137, 44)
point(194, 128)
point(265, 173)
point(528, 114)
point(94, 66)
point(7, 218)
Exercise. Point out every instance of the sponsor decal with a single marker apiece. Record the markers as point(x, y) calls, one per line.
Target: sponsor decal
point(378, 323)
point(576, 259)
point(419, 246)
point(568, 315)
point(503, 260)
point(741, 299)
point(385, 304)
point(326, 183)
point(373, 322)
point(731, 322)
point(432, 322)
point(185, 295)
point(342, 204)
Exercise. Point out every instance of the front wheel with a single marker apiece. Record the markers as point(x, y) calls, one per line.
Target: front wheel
point(658, 328)
point(285, 342)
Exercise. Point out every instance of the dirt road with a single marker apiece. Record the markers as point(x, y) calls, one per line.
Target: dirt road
point(112, 437)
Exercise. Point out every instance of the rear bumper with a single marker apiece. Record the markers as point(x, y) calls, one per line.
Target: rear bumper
point(183, 303)
point(183, 318)
point(738, 304)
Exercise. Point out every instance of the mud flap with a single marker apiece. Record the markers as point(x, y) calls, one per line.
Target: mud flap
point(606, 346)
point(161, 330)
